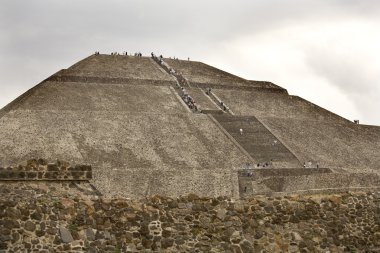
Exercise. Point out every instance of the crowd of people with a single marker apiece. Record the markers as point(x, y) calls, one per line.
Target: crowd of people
point(160, 59)
point(265, 164)
point(189, 100)
point(138, 54)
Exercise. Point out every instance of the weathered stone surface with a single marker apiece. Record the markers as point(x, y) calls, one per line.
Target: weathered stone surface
point(36, 215)
point(65, 235)
point(335, 223)
point(221, 214)
point(90, 235)
point(29, 226)
point(51, 231)
point(167, 242)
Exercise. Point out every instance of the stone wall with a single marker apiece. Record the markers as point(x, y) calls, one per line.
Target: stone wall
point(42, 170)
point(348, 222)
point(303, 181)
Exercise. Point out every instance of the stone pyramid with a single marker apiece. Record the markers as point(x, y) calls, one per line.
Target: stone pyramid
point(131, 119)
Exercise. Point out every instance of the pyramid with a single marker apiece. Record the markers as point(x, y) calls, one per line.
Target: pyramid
point(126, 116)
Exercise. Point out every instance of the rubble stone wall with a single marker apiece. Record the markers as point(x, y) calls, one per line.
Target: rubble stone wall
point(348, 222)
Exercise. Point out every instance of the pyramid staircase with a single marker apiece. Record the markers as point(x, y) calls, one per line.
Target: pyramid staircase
point(258, 141)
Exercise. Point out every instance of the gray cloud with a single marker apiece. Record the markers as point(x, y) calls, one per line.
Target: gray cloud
point(352, 76)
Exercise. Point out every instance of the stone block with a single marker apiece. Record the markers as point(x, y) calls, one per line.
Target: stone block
point(65, 235)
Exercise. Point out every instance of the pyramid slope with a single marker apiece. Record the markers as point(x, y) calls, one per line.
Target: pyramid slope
point(102, 97)
point(202, 75)
point(137, 137)
point(124, 116)
point(311, 132)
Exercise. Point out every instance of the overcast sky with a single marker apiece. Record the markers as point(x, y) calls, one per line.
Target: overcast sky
point(326, 51)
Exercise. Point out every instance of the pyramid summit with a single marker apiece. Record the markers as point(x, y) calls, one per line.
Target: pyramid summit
point(152, 125)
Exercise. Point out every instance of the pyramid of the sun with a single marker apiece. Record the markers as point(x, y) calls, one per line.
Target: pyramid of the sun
point(124, 115)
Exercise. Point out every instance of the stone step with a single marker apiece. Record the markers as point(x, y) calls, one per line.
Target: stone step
point(202, 100)
point(257, 140)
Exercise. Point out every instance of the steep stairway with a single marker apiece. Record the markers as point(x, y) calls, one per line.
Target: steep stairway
point(257, 140)
point(204, 102)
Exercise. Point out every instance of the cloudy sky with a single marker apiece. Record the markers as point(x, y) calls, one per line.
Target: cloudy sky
point(326, 51)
